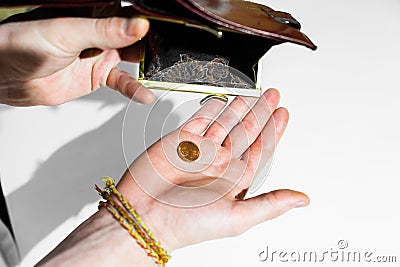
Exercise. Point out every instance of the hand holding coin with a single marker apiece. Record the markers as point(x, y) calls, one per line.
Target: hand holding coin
point(199, 173)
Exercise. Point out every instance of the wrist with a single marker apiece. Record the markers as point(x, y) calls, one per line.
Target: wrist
point(100, 240)
point(156, 215)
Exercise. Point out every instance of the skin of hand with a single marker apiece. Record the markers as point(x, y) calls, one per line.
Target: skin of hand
point(53, 61)
point(198, 201)
point(185, 203)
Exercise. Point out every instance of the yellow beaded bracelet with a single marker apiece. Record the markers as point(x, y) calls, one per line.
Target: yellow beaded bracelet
point(127, 216)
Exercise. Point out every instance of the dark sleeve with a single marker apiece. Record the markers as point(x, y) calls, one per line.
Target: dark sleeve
point(4, 211)
point(8, 248)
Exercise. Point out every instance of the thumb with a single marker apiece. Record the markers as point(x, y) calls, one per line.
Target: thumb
point(256, 210)
point(72, 35)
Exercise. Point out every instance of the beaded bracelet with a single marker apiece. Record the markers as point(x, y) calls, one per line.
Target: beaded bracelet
point(127, 216)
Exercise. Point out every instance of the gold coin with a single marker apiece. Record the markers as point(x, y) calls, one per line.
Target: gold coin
point(188, 151)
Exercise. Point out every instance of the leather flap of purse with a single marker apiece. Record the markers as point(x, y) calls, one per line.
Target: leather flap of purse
point(251, 18)
point(237, 15)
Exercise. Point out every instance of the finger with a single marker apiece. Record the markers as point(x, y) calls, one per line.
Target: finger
point(200, 121)
point(247, 130)
point(124, 83)
point(260, 153)
point(264, 146)
point(253, 211)
point(231, 115)
point(72, 35)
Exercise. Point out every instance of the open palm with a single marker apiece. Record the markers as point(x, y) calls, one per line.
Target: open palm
point(201, 200)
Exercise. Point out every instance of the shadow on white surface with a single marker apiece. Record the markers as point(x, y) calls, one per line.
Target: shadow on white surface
point(64, 183)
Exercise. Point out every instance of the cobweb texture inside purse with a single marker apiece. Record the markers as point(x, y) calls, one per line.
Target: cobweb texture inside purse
point(186, 59)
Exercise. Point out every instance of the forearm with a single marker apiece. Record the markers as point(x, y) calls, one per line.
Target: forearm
point(100, 240)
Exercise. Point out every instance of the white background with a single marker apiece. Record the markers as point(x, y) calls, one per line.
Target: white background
point(341, 146)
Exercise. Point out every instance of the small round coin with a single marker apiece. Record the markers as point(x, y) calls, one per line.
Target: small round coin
point(188, 151)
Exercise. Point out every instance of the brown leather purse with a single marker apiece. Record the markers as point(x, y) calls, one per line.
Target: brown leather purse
point(193, 45)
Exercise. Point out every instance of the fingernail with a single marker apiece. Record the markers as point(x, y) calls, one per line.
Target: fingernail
point(134, 25)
